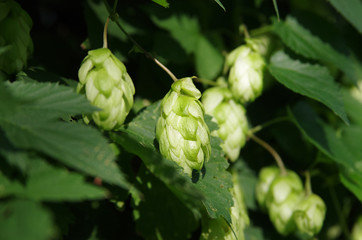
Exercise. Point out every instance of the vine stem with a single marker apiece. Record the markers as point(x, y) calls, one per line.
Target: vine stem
point(266, 124)
point(308, 185)
point(114, 17)
point(272, 151)
point(105, 42)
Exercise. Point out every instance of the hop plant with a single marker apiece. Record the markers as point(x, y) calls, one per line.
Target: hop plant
point(230, 116)
point(181, 131)
point(107, 85)
point(214, 229)
point(246, 73)
point(266, 177)
point(309, 214)
point(284, 193)
point(356, 233)
point(15, 40)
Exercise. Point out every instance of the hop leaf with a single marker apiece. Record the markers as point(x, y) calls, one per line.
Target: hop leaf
point(230, 116)
point(284, 194)
point(15, 25)
point(218, 228)
point(266, 177)
point(309, 214)
point(246, 73)
point(107, 85)
point(181, 131)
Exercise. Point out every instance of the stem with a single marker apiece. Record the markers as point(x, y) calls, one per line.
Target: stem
point(205, 81)
point(245, 29)
point(308, 186)
point(267, 124)
point(272, 151)
point(105, 42)
point(115, 18)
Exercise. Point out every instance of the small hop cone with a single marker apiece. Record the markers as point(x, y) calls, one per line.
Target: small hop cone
point(266, 177)
point(181, 131)
point(246, 73)
point(356, 233)
point(218, 228)
point(107, 85)
point(284, 194)
point(309, 214)
point(15, 39)
point(230, 116)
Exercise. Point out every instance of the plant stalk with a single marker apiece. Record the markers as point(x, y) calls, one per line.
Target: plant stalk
point(105, 41)
point(114, 17)
point(272, 151)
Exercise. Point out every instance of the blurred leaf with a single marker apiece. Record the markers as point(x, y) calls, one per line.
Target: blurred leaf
point(211, 189)
point(344, 147)
point(220, 4)
point(158, 218)
point(253, 233)
point(28, 125)
point(209, 61)
point(4, 49)
point(353, 104)
point(20, 218)
point(303, 42)
point(163, 3)
point(351, 10)
point(313, 81)
point(8, 187)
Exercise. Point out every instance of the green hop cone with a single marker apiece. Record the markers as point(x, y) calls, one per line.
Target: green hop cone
point(266, 177)
point(246, 73)
point(15, 40)
point(284, 194)
point(230, 116)
point(356, 233)
point(107, 85)
point(309, 214)
point(214, 229)
point(181, 131)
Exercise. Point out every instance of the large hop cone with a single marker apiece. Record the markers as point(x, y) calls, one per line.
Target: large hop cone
point(246, 73)
point(181, 131)
point(15, 41)
point(107, 85)
point(230, 116)
point(309, 214)
point(266, 177)
point(215, 229)
point(284, 194)
point(356, 233)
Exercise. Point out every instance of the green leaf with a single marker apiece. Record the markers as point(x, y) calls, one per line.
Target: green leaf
point(303, 42)
point(163, 3)
point(48, 183)
point(19, 218)
point(353, 104)
point(50, 100)
point(29, 124)
point(351, 10)
point(8, 187)
point(220, 4)
point(313, 81)
point(211, 189)
point(343, 146)
point(160, 218)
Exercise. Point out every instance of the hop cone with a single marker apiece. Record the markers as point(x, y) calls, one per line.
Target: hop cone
point(181, 131)
point(15, 41)
point(107, 85)
point(309, 214)
point(246, 73)
point(284, 194)
point(215, 229)
point(230, 116)
point(266, 177)
point(356, 233)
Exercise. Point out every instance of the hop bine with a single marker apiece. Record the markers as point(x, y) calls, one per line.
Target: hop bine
point(15, 40)
point(181, 131)
point(246, 73)
point(107, 85)
point(230, 116)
